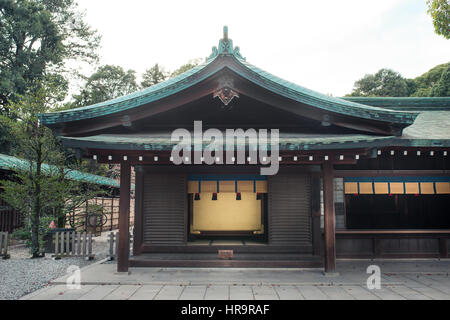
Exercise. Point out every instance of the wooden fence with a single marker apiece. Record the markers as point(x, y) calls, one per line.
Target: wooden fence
point(4, 242)
point(73, 244)
point(113, 241)
point(108, 221)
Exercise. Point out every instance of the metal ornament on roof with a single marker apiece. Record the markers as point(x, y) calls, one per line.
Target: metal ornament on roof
point(225, 91)
point(226, 95)
point(226, 47)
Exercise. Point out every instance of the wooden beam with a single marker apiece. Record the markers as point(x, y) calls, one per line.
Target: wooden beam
point(384, 173)
point(329, 217)
point(124, 217)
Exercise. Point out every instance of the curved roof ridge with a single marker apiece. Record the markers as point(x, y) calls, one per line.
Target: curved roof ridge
point(118, 103)
point(403, 116)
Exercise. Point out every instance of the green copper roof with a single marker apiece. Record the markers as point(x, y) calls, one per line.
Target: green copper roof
point(10, 163)
point(162, 141)
point(321, 101)
point(405, 103)
point(429, 130)
point(241, 67)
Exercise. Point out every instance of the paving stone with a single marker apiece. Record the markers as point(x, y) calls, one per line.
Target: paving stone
point(336, 293)
point(241, 293)
point(146, 292)
point(408, 293)
point(385, 293)
point(217, 293)
point(99, 292)
point(434, 294)
point(360, 293)
point(264, 293)
point(122, 292)
point(169, 293)
point(50, 293)
point(74, 294)
point(288, 293)
point(312, 293)
point(37, 292)
point(193, 293)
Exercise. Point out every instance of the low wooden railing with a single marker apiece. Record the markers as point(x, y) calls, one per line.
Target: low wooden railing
point(73, 244)
point(437, 238)
point(113, 240)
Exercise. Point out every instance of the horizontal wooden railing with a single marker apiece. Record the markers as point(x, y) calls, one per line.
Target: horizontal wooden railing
point(437, 239)
point(73, 244)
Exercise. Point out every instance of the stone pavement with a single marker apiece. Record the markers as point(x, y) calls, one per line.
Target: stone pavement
point(400, 280)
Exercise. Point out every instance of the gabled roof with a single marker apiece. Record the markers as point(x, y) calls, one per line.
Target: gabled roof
point(226, 56)
point(10, 163)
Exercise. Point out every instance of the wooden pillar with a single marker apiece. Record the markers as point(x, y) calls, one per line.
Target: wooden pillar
point(124, 217)
point(329, 217)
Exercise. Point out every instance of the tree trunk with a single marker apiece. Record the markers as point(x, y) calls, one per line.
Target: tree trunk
point(35, 247)
point(36, 213)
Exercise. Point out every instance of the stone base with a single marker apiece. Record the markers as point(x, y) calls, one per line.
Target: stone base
point(331, 274)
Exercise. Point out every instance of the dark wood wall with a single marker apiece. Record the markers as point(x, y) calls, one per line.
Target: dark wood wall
point(164, 206)
point(290, 210)
point(161, 209)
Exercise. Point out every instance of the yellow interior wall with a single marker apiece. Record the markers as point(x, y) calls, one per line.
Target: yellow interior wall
point(381, 188)
point(227, 213)
point(412, 187)
point(351, 188)
point(365, 188)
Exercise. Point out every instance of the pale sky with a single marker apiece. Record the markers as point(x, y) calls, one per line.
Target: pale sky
point(322, 45)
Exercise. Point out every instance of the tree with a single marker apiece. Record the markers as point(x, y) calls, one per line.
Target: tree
point(439, 10)
point(37, 38)
point(185, 67)
point(154, 75)
point(384, 83)
point(107, 83)
point(426, 82)
point(40, 189)
point(442, 87)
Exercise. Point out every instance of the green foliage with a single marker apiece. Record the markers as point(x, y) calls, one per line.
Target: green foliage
point(429, 80)
point(186, 67)
point(440, 12)
point(37, 38)
point(442, 87)
point(108, 82)
point(25, 234)
point(384, 83)
point(41, 192)
point(388, 83)
point(157, 74)
point(154, 75)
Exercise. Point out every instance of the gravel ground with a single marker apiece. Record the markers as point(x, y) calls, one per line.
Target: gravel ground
point(21, 275)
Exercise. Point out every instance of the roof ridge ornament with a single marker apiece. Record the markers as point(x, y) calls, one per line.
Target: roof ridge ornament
point(225, 47)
